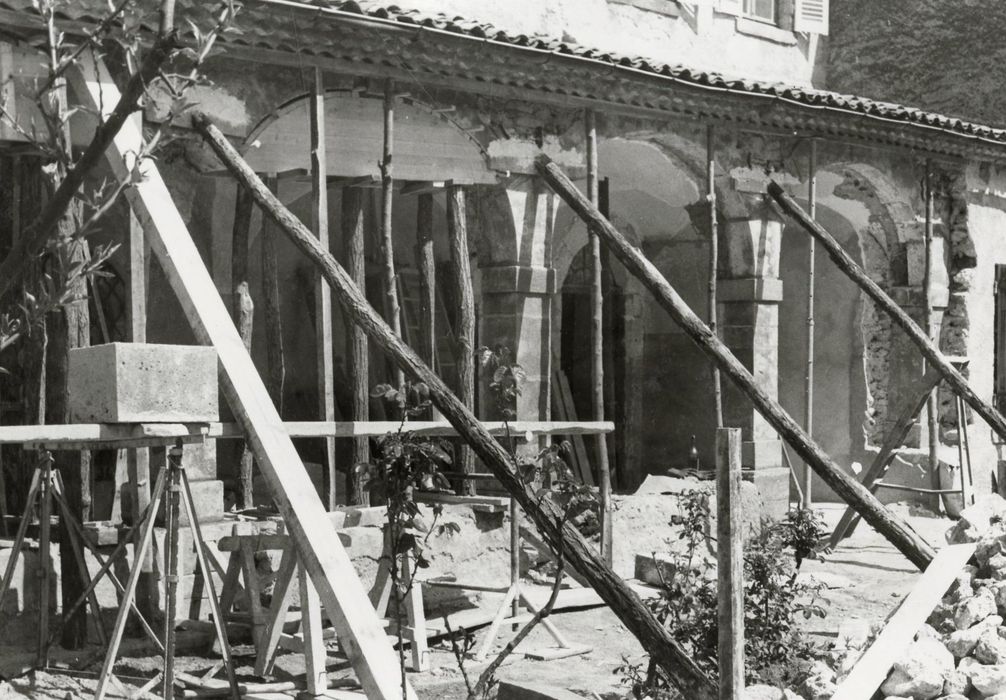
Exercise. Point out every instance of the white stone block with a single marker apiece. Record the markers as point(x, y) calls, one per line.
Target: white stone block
point(143, 383)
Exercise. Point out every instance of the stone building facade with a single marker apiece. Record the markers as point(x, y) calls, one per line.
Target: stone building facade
point(485, 86)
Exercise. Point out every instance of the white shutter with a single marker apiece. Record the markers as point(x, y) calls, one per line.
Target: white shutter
point(811, 16)
point(731, 7)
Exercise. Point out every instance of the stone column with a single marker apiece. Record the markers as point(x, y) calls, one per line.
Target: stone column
point(749, 292)
point(515, 224)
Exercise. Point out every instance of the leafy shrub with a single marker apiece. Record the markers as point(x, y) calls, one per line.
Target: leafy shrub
point(776, 651)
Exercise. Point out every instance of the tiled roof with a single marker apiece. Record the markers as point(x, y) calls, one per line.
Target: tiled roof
point(805, 96)
point(280, 25)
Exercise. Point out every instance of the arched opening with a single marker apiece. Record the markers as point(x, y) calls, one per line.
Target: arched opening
point(656, 381)
point(861, 363)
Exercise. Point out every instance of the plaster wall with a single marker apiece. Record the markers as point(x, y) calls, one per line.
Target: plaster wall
point(667, 32)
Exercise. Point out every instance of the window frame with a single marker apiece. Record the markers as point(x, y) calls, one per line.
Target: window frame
point(748, 13)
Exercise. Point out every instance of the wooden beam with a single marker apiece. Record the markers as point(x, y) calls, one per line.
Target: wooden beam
point(392, 310)
point(318, 548)
point(855, 494)
point(808, 382)
point(244, 316)
point(714, 259)
point(666, 652)
point(427, 264)
point(897, 635)
point(597, 340)
point(730, 563)
point(922, 389)
point(322, 293)
point(275, 362)
point(917, 335)
point(76, 433)
point(464, 335)
point(358, 352)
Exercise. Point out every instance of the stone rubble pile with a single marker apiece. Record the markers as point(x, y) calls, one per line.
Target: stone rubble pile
point(960, 654)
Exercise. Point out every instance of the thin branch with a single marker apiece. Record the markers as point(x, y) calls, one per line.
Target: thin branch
point(483, 683)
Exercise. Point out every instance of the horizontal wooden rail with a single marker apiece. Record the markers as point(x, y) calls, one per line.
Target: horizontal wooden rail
point(114, 432)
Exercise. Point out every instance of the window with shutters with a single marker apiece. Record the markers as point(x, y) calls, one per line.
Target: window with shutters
point(811, 16)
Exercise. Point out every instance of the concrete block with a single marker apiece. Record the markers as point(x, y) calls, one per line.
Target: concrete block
point(207, 497)
point(137, 382)
point(650, 569)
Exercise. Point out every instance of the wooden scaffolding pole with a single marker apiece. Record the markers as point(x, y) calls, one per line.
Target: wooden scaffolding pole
point(342, 594)
point(244, 317)
point(714, 258)
point(917, 335)
point(900, 533)
point(392, 309)
point(932, 403)
point(729, 563)
point(680, 668)
point(354, 235)
point(322, 293)
point(597, 340)
point(275, 362)
point(808, 382)
point(464, 354)
point(427, 264)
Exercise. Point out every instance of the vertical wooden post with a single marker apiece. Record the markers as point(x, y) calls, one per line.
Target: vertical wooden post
point(714, 256)
point(597, 342)
point(323, 293)
point(808, 473)
point(275, 370)
point(932, 405)
point(138, 460)
point(392, 308)
point(457, 231)
point(244, 311)
point(427, 264)
point(730, 563)
point(354, 237)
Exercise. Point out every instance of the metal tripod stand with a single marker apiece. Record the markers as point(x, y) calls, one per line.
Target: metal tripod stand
point(172, 479)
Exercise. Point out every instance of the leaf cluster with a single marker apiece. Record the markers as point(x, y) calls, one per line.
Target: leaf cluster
point(775, 599)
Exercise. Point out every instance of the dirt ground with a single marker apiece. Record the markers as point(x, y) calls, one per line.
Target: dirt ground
point(867, 576)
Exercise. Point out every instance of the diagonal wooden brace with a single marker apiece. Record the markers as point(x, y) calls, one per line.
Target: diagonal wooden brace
point(917, 335)
point(319, 549)
point(895, 438)
point(562, 535)
point(894, 528)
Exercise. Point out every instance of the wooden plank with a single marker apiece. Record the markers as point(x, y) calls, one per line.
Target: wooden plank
point(314, 642)
point(497, 501)
point(464, 333)
point(330, 567)
point(115, 433)
point(872, 668)
point(562, 397)
point(922, 390)
point(730, 563)
point(282, 597)
point(890, 525)
point(322, 292)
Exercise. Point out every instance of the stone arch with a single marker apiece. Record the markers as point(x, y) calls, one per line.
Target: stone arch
point(862, 363)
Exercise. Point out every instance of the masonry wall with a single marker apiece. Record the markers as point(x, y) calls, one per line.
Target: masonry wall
point(940, 56)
